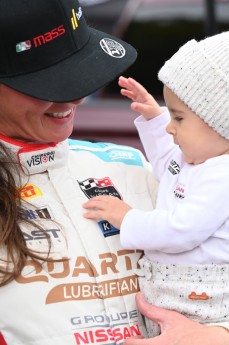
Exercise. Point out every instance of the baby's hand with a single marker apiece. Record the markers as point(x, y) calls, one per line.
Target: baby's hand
point(106, 207)
point(143, 101)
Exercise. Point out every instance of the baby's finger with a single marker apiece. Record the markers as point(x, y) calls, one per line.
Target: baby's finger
point(130, 85)
point(138, 89)
point(98, 204)
point(128, 93)
point(94, 214)
point(123, 82)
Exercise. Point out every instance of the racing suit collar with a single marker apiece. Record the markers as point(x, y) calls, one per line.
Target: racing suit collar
point(35, 158)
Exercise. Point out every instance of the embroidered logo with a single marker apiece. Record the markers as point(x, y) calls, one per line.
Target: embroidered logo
point(76, 17)
point(107, 228)
point(174, 168)
point(95, 187)
point(194, 296)
point(124, 155)
point(179, 191)
point(38, 235)
point(40, 213)
point(22, 46)
point(42, 158)
point(29, 191)
point(112, 48)
point(49, 36)
point(41, 39)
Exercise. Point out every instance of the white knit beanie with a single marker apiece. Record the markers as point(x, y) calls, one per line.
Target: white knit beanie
point(199, 75)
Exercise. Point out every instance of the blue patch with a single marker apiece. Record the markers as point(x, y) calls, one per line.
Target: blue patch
point(108, 229)
point(109, 152)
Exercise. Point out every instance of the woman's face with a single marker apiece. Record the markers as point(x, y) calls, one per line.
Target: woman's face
point(29, 119)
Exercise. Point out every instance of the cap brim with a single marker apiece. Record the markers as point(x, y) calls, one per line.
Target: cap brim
point(78, 75)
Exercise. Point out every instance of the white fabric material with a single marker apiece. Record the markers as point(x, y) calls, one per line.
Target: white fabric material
point(90, 298)
point(199, 292)
point(190, 223)
point(199, 75)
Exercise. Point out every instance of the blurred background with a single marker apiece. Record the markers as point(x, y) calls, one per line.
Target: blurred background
point(156, 28)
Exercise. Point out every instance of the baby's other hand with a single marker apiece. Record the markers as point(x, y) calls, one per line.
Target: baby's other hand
point(106, 207)
point(143, 101)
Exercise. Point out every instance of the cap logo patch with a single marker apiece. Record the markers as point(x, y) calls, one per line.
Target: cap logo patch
point(41, 39)
point(112, 48)
point(75, 17)
point(22, 46)
point(49, 36)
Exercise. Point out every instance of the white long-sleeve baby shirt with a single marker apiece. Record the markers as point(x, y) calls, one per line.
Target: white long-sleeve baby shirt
point(190, 223)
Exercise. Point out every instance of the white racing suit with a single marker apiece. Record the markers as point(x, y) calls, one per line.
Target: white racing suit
point(88, 299)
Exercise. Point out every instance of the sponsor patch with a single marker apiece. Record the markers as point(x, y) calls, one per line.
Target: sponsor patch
point(30, 191)
point(112, 48)
point(109, 152)
point(41, 39)
point(111, 328)
point(22, 46)
point(94, 187)
point(108, 335)
point(90, 291)
point(108, 229)
point(76, 17)
point(38, 235)
point(179, 191)
point(42, 158)
point(36, 214)
point(174, 168)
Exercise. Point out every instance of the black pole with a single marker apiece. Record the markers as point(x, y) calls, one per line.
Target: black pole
point(210, 18)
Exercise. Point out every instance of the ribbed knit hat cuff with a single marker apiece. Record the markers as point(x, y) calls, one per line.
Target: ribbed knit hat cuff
point(200, 84)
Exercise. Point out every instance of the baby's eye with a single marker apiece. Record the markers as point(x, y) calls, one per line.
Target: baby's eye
point(178, 118)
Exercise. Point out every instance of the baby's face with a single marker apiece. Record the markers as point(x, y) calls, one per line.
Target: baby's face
point(196, 139)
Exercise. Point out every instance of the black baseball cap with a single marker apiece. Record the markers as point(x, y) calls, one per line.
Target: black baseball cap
point(48, 51)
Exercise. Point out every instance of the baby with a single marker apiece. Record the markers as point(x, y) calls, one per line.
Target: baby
point(186, 237)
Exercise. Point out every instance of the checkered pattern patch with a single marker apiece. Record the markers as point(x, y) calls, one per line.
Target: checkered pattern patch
point(94, 187)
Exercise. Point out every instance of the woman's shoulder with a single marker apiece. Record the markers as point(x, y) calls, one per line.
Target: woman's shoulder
point(108, 152)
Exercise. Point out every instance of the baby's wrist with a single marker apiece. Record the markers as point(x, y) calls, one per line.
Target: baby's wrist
point(152, 114)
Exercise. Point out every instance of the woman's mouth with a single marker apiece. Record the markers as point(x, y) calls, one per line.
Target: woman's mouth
point(61, 115)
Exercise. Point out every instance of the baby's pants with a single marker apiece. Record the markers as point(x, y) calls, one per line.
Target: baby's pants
point(200, 292)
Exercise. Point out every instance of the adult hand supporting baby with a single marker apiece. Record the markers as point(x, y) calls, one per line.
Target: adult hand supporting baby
point(176, 329)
